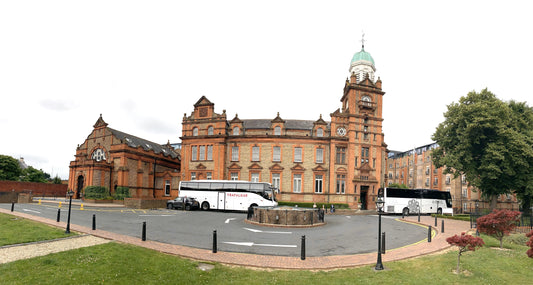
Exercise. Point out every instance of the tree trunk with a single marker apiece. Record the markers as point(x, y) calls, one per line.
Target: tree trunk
point(501, 242)
point(493, 202)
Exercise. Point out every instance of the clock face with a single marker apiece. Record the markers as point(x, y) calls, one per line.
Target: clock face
point(341, 131)
point(98, 154)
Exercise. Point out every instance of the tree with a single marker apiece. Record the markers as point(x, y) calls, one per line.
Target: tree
point(489, 141)
point(9, 168)
point(498, 224)
point(465, 243)
point(530, 244)
point(31, 174)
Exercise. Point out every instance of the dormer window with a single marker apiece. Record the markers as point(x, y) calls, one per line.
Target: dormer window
point(210, 131)
point(235, 131)
point(319, 132)
point(277, 131)
point(195, 132)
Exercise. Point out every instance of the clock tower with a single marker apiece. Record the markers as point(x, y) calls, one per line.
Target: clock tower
point(358, 149)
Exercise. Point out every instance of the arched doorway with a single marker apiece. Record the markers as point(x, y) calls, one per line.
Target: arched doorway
point(81, 180)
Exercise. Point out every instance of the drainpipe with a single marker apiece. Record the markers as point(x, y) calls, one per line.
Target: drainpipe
point(155, 161)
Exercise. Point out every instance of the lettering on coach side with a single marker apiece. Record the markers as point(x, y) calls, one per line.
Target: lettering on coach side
point(237, 195)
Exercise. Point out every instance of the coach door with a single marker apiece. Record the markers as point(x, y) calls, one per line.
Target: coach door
point(221, 201)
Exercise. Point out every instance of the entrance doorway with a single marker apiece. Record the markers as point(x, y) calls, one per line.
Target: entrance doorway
point(363, 197)
point(81, 180)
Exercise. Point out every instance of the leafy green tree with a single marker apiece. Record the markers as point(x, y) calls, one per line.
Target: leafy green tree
point(489, 141)
point(9, 168)
point(31, 174)
point(57, 180)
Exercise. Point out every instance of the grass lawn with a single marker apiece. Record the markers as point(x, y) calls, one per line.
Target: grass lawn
point(15, 230)
point(115, 263)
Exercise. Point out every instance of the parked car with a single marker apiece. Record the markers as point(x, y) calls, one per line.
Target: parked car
point(183, 202)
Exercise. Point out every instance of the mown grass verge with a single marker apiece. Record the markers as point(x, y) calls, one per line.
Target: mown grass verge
point(116, 263)
point(15, 230)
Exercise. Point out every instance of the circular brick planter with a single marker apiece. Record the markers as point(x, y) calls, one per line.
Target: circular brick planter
point(287, 216)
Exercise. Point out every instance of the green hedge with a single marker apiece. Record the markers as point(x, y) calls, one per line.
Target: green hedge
point(121, 192)
point(96, 192)
point(310, 205)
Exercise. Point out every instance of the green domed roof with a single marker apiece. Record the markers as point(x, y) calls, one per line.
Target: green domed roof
point(362, 55)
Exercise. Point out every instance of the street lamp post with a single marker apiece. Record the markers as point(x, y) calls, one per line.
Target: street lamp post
point(70, 193)
point(379, 206)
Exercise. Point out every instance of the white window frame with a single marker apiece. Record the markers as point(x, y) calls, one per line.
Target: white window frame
point(297, 183)
point(319, 183)
point(319, 155)
point(276, 178)
point(255, 153)
point(298, 154)
point(254, 177)
point(234, 153)
point(209, 152)
point(194, 153)
point(276, 153)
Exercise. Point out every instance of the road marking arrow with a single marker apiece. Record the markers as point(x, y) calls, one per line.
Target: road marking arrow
point(240, 243)
point(230, 219)
point(259, 244)
point(33, 211)
point(267, 232)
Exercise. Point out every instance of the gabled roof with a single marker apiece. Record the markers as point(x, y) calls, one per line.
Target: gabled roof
point(147, 145)
point(203, 102)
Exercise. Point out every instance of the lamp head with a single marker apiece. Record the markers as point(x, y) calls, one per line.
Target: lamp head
point(380, 203)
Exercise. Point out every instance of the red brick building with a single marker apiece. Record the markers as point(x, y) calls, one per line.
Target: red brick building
point(112, 158)
point(337, 161)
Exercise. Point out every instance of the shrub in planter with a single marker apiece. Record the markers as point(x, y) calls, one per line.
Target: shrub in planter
point(96, 192)
point(121, 192)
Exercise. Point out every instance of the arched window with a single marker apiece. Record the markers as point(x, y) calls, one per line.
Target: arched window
point(195, 132)
point(235, 131)
point(210, 131)
point(277, 131)
point(319, 132)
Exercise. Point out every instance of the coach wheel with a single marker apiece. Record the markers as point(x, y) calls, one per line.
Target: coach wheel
point(439, 211)
point(188, 208)
point(205, 206)
point(405, 211)
point(253, 205)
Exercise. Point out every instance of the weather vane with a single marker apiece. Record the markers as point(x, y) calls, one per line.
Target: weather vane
point(363, 39)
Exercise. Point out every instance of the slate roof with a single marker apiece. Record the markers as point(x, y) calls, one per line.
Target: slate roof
point(134, 141)
point(289, 124)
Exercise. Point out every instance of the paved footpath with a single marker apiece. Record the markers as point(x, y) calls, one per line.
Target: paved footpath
point(421, 248)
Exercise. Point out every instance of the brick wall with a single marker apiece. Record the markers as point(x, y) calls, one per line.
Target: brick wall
point(37, 189)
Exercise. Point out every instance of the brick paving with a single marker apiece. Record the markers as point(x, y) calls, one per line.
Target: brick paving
point(283, 262)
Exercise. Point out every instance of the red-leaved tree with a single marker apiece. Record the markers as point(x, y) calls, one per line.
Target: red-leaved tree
point(465, 243)
point(530, 244)
point(498, 224)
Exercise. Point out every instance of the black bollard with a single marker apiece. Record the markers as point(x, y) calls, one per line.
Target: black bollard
point(442, 226)
point(303, 248)
point(429, 233)
point(419, 216)
point(214, 241)
point(94, 222)
point(12, 206)
point(144, 232)
point(58, 215)
point(435, 220)
point(382, 248)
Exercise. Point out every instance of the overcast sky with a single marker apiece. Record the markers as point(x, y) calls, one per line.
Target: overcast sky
point(143, 64)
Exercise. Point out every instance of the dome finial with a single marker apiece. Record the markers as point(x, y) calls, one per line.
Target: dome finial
point(363, 40)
